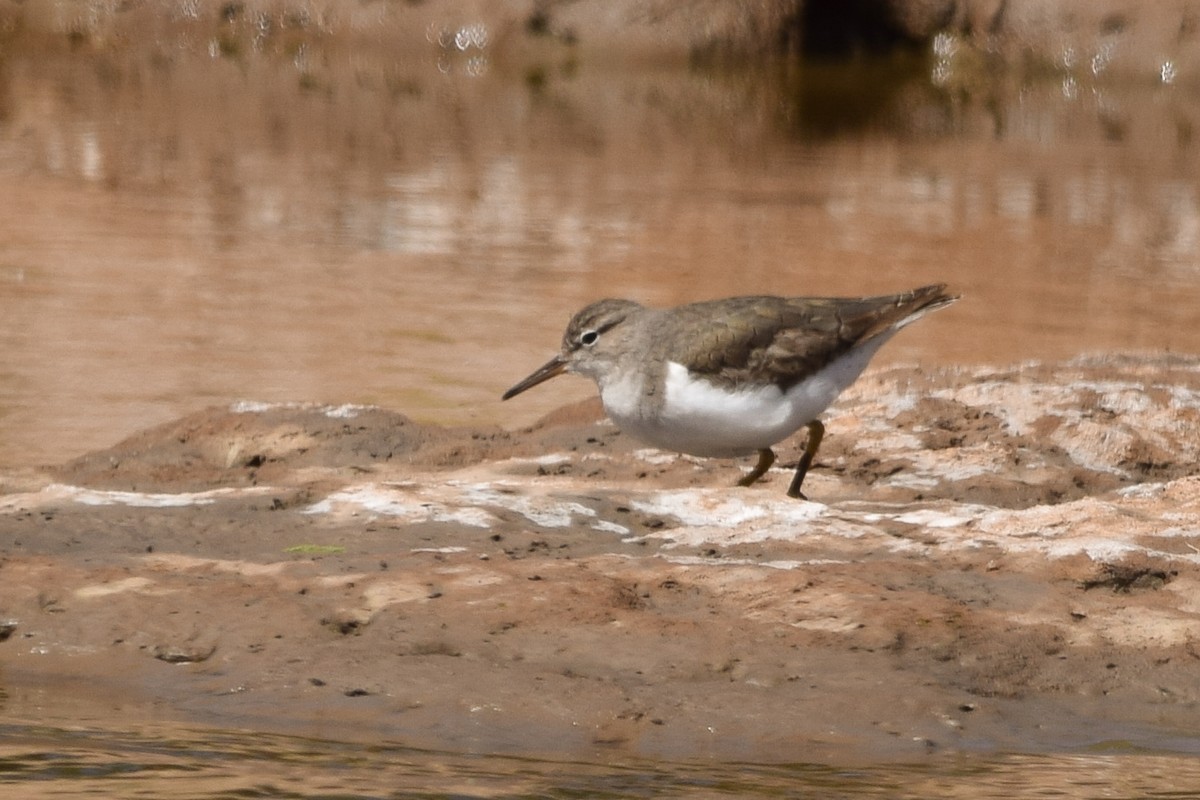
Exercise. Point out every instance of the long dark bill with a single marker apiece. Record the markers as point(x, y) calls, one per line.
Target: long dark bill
point(545, 372)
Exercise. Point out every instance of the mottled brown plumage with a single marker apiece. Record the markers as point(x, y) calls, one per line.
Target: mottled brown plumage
point(782, 340)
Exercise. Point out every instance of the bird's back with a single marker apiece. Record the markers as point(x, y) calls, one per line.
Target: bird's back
point(785, 339)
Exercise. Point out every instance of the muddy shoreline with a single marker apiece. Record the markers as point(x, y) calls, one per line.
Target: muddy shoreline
point(997, 559)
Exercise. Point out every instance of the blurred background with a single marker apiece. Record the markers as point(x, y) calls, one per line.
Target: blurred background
point(402, 203)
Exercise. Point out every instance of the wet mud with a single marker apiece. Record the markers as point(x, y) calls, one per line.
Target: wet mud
point(994, 558)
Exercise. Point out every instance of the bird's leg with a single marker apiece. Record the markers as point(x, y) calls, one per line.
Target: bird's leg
point(816, 431)
point(766, 457)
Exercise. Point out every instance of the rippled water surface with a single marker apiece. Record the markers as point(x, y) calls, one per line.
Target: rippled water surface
point(164, 761)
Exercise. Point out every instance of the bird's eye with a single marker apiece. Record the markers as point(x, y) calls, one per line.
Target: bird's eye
point(588, 338)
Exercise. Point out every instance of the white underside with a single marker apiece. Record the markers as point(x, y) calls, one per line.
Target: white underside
point(702, 419)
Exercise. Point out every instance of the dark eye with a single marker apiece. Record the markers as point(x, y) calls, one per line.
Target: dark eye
point(588, 338)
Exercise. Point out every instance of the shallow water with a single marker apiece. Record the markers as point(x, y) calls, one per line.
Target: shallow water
point(189, 762)
point(186, 226)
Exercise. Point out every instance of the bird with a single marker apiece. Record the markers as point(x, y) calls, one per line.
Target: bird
point(731, 377)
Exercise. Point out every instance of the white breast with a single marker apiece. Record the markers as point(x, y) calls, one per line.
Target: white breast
point(702, 419)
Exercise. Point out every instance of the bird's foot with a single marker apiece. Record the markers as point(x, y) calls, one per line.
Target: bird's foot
point(765, 459)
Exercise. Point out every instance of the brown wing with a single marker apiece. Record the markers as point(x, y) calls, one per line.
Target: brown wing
point(785, 339)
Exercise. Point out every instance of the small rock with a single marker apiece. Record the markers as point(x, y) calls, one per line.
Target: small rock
point(184, 654)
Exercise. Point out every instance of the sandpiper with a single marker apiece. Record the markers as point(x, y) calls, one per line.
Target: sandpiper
point(731, 377)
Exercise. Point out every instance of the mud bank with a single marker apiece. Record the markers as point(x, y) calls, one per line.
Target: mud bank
point(994, 558)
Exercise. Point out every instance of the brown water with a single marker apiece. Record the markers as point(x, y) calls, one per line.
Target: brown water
point(337, 224)
point(186, 224)
point(189, 762)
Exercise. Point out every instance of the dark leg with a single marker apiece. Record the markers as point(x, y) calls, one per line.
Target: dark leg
point(816, 432)
point(765, 459)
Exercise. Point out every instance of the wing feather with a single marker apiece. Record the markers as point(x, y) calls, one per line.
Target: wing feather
point(785, 339)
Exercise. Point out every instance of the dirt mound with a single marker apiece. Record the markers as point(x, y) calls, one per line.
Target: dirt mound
point(998, 558)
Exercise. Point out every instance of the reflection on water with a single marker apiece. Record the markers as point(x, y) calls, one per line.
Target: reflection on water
point(195, 221)
point(41, 761)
